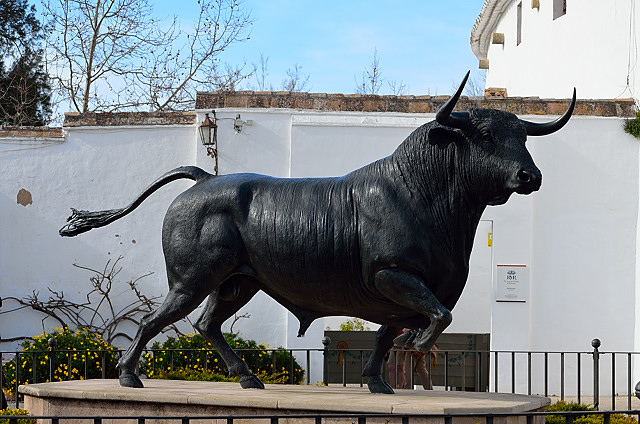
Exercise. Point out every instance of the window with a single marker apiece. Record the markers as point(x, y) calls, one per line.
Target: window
point(519, 23)
point(559, 8)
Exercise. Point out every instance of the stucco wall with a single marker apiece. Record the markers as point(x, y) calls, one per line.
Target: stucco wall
point(92, 168)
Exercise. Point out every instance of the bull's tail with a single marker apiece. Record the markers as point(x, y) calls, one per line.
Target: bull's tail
point(83, 221)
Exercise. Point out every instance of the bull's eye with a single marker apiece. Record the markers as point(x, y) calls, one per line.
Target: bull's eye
point(486, 137)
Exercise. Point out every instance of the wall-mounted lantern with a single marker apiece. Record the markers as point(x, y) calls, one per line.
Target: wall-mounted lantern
point(208, 132)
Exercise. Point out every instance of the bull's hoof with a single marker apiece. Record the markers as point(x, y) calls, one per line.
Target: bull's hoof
point(251, 382)
point(378, 385)
point(130, 380)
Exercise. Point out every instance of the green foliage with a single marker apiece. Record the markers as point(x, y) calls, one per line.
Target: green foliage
point(561, 405)
point(74, 351)
point(354, 324)
point(190, 374)
point(18, 24)
point(25, 92)
point(583, 419)
point(564, 406)
point(632, 126)
point(14, 412)
point(193, 352)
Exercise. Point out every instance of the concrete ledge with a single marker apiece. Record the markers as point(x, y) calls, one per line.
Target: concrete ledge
point(188, 398)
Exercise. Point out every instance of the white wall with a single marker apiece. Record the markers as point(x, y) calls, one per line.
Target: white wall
point(577, 235)
point(582, 247)
point(94, 169)
point(592, 47)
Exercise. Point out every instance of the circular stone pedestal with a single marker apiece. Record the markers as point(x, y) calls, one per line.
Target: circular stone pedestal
point(194, 398)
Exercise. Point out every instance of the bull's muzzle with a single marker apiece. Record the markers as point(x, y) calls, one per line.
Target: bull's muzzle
point(527, 181)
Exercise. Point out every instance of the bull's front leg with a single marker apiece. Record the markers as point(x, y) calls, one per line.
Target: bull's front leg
point(407, 290)
point(373, 369)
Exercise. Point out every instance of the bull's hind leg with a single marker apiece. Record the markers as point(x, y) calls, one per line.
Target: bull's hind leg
point(407, 290)
point(176, 305)
point(373, 369)
point(221, 305)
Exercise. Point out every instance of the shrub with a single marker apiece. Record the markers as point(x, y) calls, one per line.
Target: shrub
point(583, 419)
point(14, 412)
point(564, 406)
point(189, 374)
point(77, 353)
point(197, 354)
point(632, 126)
point(354, 324)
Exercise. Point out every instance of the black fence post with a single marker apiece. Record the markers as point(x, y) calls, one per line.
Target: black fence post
point(3, 402)
point(52, 357)
point(596, 373)
point(17, 359)
point(326, 341)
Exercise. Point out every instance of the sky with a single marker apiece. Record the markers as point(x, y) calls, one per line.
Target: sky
point(423, 44)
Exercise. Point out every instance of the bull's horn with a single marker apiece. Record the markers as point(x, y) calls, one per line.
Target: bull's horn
point(446, 117)
point(534, 128)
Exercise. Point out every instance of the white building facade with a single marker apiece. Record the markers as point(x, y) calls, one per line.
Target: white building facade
point(544, 47)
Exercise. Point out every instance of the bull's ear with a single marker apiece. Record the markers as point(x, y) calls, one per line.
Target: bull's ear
point(442, 136)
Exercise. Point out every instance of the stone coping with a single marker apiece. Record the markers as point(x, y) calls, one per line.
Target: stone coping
point(409, 104)
point(113, 119)
point(31, 132)
point(331, 399)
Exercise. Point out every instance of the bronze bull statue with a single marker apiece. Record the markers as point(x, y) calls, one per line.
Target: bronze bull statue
point(389, 242)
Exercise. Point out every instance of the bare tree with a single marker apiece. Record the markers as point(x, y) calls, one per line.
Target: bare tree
point(398, 88)
point(296, 81)
point(110, 55)
point(371, 77)
point(97, 312)
point(261, 72)
point(474, 87)
point(237, 318)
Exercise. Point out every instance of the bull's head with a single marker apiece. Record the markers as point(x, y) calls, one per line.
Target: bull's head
point(495, 141)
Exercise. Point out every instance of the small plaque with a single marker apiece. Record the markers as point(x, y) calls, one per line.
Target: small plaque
point(512, 283)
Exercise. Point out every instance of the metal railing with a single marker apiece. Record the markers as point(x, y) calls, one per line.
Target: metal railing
point(486, 418)
point(578, 374)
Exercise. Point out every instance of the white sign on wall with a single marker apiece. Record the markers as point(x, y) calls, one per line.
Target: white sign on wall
point(512, 283)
